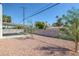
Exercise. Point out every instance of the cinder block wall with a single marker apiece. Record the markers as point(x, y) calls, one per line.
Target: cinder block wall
point(53, 32)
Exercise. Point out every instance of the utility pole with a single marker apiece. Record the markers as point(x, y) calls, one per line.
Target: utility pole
point(23, 9)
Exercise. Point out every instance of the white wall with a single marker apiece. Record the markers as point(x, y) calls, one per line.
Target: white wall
point(0, 20)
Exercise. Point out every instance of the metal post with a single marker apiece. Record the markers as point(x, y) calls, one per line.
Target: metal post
point(1, 34)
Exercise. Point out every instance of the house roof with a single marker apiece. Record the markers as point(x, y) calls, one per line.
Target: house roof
point(5, 23)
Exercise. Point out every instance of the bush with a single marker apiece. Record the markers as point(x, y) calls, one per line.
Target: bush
point(65, 37)
point(19, 27)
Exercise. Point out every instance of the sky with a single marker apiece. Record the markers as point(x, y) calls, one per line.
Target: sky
point(15, 11)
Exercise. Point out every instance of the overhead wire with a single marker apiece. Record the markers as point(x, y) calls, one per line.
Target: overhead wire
point(42, 10)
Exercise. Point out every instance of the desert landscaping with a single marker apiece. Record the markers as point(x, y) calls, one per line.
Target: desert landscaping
point(42, 29)
point(36, 46)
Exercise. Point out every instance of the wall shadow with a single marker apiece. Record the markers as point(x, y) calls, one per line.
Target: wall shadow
point(54, 50)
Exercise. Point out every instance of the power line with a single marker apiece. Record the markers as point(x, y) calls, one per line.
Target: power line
point(43, 10)
point(23, 8)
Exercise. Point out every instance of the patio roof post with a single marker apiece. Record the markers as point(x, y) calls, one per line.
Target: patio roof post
point(1, 35)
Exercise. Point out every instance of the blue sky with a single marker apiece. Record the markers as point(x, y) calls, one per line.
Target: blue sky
point(15, 11)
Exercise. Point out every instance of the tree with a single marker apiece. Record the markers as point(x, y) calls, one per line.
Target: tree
point(40, 25)
point(59, 22)
point(71, 25)
point(7, 19)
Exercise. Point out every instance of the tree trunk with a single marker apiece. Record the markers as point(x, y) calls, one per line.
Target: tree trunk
point(76, 38)
point(76, 45)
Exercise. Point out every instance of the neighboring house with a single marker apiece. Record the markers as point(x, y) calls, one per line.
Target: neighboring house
point(8, 25)
point(10, 28)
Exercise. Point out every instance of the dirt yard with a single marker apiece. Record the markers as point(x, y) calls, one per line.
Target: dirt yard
point(38, 46)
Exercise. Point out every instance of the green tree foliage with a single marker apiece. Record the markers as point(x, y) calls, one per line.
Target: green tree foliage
point(58, 23)
point(7, 19)
point(40, 25)
point(19, 27)
point(71, 25)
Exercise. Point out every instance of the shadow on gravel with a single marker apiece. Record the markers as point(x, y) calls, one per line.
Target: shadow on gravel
point(25, 38)
point(54, 50)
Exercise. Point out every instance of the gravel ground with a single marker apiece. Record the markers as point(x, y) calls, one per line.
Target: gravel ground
point(38, 46)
